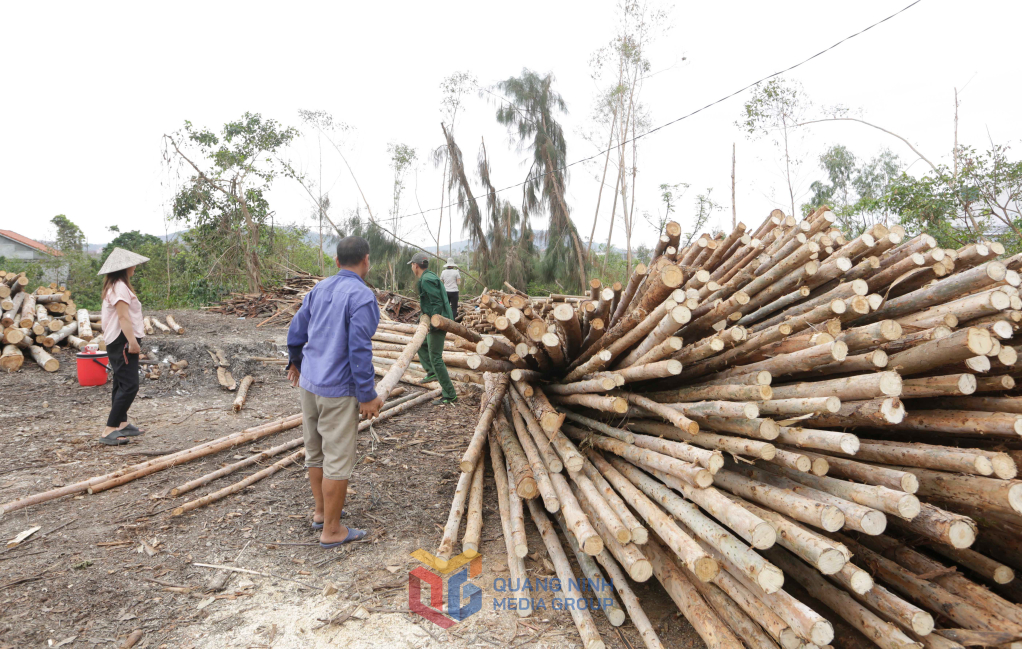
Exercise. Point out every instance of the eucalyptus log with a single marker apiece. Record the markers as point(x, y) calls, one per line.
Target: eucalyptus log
point(590, 636)
point(475, 446)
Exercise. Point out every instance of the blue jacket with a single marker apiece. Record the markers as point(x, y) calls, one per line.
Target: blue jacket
point(336, 360)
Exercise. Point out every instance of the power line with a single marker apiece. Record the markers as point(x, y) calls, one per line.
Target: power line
point(686, 116)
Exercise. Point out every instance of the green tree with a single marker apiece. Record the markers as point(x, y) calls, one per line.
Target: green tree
point(775, 110)
point(705, 206)
point(509, 231)
point(855, 189)
point(530, 117)
point(133, 240)
point(231, 172)
point(69, 238)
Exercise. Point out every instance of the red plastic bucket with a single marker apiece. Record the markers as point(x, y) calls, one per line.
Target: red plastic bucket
point(92, 368)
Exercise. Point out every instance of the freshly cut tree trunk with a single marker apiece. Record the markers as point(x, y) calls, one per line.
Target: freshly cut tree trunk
point(799, 406)
point(524, 481)
point(939, 386)
point(919, 590)
point(474, 521)
point(584, 621)
point(690, 473)
point(887, 500)
point(388, 382)
point(942, 526)
point(28, 310)
point(974, 491)
point(876, 412)
point(680, 543)
point(580, 524)
point(852, 388)
point(954, 582)
point(668, 413)
point(543, 444)
point(175, 327)
point(475, 446)
point(515, 563)
point(602, 591)
point(1002, 424)
point(84, 325)
point(238, 486)
point(231, 468)
point(986, 567)
point(736, 445)
point(959, 346)
point(754, 530)
point(801, 508)
point(519, 539)
point(638, 532)
point(594, 401)
point(868, 473)
point(815, 549)
point(43, 359)
point(599, 426)
point(239, 401)
point(884, 634)
point(751, 565)
point(11, 358)
point(536, 463)
point(858, 517)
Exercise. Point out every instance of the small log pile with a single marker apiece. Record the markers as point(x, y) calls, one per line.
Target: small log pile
point(34, 324)
point(759, 416)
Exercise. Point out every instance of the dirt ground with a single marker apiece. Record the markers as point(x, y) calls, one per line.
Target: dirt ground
point(104, 565)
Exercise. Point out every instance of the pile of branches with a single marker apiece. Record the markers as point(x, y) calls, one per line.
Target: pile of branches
point(775, 405)
point(279, 303)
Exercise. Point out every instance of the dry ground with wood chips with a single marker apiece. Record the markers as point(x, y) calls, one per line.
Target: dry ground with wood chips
point(102, 566)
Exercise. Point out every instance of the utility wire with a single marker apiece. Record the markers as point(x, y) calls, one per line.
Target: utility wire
point(686, 116)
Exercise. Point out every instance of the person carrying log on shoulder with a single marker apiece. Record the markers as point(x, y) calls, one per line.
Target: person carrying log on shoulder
point(121, 315)
point(330, 353)
point(433, 301)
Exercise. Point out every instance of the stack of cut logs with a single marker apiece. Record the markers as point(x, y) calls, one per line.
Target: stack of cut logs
point(795, 432)
point(35, 322)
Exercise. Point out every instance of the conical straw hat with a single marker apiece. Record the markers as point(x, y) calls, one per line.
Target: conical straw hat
point(120, 259)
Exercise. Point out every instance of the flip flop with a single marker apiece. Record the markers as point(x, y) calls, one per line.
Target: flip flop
point(319, 526)
point(129, 431)
point(111, 439)
point(353, 535)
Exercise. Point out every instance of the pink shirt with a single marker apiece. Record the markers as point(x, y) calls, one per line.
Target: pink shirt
point(120, 292)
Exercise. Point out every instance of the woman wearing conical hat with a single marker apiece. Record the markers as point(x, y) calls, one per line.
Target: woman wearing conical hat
point(122, 329)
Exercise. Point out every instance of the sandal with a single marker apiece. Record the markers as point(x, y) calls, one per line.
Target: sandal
point(353, 535)
point(114, 438)
point(319, 526)
point(129, 431)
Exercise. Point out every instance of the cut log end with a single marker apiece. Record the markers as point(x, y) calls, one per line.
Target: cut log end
point(715, 463)
point(909, 507)
point(640, 535)
point(822, 633)
point(527, 488)
point(704, 479)
point(593, 546)
point(1015, 495)
point(820, 467)
point(706, 569)
point(831, 519)
point(763, 536)
point(1004, 575)
point(873, 523)
point(922, 623)
point(961, 535)
point(861, 582)
point(830, 561)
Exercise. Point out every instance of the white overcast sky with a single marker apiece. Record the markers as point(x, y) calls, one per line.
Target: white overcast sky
point(89, 89)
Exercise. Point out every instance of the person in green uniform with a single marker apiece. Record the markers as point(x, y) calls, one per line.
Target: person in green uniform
point(433, 301)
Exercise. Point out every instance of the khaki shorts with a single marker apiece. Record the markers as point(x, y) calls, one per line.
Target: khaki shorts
point(331, 431)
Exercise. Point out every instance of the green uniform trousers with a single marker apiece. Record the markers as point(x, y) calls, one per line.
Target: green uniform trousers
point(431, 357)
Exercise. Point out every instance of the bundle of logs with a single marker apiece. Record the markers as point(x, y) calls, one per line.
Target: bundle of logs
point(795, 432)
point(36, 323)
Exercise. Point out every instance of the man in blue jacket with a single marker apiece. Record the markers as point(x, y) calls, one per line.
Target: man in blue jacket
point(331, 359)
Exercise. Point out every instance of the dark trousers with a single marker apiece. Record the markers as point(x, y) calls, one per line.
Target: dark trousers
point(125, 380)
point(453, 299)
